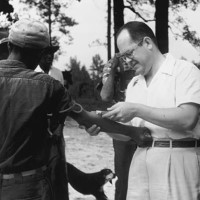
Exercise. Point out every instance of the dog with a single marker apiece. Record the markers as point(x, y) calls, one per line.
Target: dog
point(89, 183)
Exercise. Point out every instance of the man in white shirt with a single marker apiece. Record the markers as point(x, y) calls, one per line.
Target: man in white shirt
point(164, 96)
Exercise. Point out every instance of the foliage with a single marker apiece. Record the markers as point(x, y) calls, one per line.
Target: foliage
point(142, 9)
point(177, 23)
point(79, 73)
point(4, 22)
point(181, 28)
point(190, 4)
point(96, 68)
point(53, 12)
point(191, 36)
point(82, 84)
point(5, 7)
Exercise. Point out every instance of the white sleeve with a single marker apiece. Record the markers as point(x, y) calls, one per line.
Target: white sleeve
point(188, 85)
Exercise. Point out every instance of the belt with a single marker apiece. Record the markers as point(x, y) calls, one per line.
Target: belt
point(24, 173)
point(174, 143)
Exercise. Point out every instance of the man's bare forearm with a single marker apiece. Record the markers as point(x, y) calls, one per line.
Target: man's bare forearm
point(138, 134)
point(107, 91)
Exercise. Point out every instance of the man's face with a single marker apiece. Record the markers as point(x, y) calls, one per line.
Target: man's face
point(133, 53)
point(46, 61)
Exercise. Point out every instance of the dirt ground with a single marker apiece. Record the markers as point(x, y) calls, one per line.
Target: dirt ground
point(89, 154)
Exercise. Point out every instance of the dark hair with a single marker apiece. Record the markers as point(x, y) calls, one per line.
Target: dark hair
point(30, 57)
point(26, 51)
point(138, 30)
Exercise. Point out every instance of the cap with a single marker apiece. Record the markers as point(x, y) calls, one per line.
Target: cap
point(29, 33)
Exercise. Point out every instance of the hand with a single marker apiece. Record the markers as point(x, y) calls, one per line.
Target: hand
point(93, 130)
point(122, 112)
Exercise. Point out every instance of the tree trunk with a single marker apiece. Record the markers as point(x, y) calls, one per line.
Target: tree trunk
point(49, 21)
point(161, 32)
point(5, 6)
point(118, 6)
point(109, 30)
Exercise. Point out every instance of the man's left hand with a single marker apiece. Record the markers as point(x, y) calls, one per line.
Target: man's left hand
point(122, 112)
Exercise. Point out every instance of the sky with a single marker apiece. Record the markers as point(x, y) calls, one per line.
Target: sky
point(91, 17)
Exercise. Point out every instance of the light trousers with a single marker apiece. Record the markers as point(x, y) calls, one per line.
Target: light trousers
point(164, 174)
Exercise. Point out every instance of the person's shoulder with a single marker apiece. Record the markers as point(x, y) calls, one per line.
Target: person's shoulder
point(178, 67)
point(186, 67)
point(41, 76)
point(184, 63)
point(45, 78)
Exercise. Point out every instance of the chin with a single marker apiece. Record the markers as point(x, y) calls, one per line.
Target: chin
point(138, 72)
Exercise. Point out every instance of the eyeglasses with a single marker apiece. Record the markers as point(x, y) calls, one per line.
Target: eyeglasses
point(129, 53)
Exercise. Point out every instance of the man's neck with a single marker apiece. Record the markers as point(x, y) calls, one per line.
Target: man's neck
point(159, 59)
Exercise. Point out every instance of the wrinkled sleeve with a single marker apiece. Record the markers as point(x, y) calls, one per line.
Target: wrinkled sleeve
point(188, 85)
point(61, 101)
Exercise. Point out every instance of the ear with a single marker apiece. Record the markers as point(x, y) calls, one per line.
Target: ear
point(148, 43)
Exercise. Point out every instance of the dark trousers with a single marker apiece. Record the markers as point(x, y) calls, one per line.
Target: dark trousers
point(35, 186)
point(123, 153)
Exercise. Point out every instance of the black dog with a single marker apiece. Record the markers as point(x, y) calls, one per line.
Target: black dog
point(89, 183)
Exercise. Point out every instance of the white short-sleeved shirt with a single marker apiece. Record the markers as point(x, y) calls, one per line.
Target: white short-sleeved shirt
point(176, 82)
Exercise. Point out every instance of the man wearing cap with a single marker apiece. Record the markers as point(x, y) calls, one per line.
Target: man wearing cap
point(23, 143)
point(33, 107)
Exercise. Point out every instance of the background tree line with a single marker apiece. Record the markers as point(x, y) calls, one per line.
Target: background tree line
point(85, 79)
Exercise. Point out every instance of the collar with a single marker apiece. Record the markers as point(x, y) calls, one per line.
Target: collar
point(12, 64)
point(166, 68)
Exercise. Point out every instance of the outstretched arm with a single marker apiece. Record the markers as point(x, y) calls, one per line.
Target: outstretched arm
point(140, 135)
